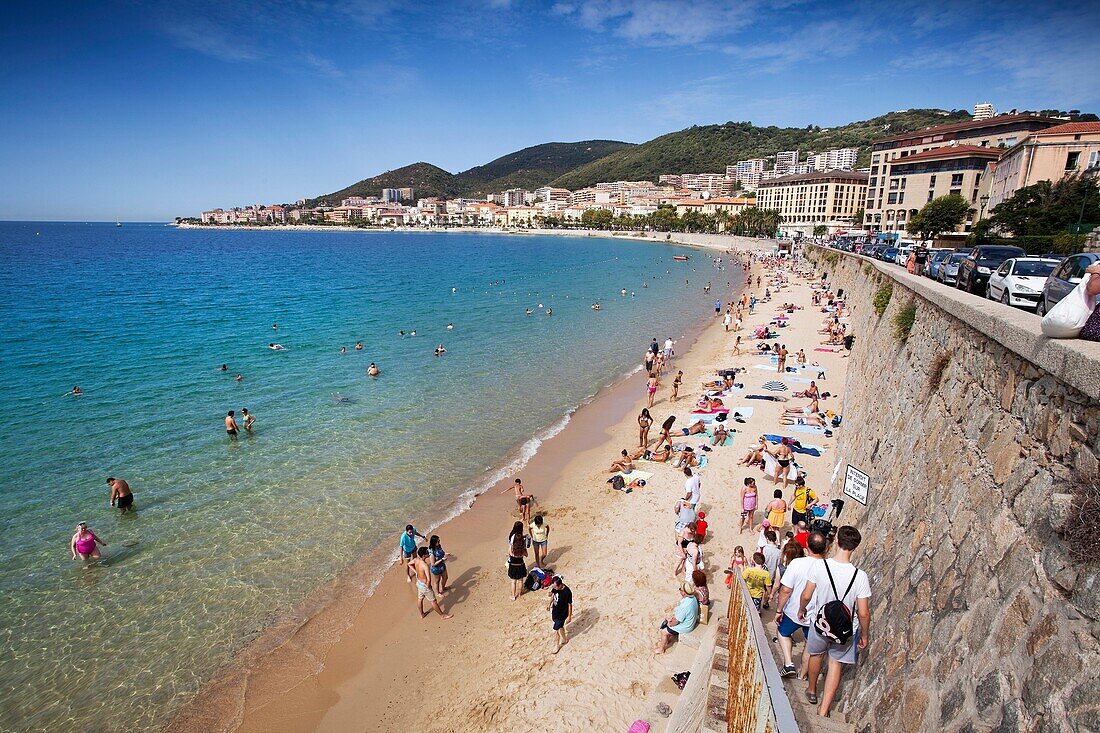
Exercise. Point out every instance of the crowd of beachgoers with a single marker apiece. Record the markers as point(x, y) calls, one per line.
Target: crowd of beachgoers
point(793, 558)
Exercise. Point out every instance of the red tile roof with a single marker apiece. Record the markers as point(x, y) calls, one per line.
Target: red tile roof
point(951, 151)
point(961, 126)
point(1070, 128)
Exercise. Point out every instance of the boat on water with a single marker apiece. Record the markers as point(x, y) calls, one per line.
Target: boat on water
point(118, 223)
point(680, 258)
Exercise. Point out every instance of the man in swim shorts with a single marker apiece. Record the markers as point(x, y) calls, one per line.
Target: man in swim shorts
point(230, 425)
point(121, 496)
point(424, 590)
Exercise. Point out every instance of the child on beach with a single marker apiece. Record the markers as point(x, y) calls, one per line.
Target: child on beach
point(757, 578)
point(408, 550)
point(701, 527)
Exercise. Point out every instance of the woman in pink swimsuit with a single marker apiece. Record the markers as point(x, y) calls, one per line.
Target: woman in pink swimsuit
point(748, 504)
point(84, 543)
point(651, 387)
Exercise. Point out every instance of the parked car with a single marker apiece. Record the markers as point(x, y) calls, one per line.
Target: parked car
point(1019, 281)
point(974, 271)
point(935, 260)
point(889, 254)
point(1064, 279)
point(902, 255)
point(948, 272)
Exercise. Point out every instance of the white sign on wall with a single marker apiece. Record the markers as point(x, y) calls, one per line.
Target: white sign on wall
point(857, 484)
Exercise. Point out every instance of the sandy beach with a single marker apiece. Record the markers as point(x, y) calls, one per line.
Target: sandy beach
point(364, 663)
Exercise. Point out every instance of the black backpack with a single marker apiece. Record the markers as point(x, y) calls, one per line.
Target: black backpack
point(834, 620)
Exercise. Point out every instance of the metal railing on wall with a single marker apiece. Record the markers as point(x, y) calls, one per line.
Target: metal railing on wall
point(757, 701)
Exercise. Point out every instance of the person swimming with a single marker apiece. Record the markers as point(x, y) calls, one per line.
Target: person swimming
point(276, 347)
point(440, 350)
point(529, 311)
point(454, 290)
point(76, 391)
point(412, 333)
point(549, 311)
point(358, 345)
point(450, 326)
point(224, 368)
point(238, 378)
point(373, 370)
point(595, 306)
point(343, 349)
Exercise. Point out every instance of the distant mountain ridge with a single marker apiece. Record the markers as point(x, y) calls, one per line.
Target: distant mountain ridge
point(697, 149)
point(528, 168)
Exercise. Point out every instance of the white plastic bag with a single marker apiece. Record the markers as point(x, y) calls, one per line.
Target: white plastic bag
point(1066, 319)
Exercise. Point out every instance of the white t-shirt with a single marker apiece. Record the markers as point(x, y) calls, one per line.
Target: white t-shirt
point(693, 486)
point(842, 575)
point(771, 558)
point(794, 577)
point(668, 344)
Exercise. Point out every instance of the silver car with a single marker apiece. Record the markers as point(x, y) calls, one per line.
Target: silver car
point(948, 272)
point(1064, 279)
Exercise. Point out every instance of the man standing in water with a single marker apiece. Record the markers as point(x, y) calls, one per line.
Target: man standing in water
point(424, 590)
point(230, 425)
point(121, 495)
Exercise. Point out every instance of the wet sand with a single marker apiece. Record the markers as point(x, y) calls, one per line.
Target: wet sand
point(490, 667)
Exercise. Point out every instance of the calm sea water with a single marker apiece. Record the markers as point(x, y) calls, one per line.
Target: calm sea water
point(229, 534)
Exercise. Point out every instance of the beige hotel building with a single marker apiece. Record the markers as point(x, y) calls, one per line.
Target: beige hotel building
point(996, 133)
point(1045, 155)
point(806, 200)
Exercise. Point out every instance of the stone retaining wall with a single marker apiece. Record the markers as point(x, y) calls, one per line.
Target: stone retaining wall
point(977, 433)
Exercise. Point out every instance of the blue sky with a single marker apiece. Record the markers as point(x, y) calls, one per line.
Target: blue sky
point(147, 110)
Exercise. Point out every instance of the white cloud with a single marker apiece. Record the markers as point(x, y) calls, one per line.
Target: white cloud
point(206, 38)
point(660, 22)
point(830, 39)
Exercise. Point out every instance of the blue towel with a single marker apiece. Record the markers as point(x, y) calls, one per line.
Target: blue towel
point(794, 444)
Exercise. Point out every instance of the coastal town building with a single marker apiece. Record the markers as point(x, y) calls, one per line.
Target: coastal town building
point(1002, 131)
point(983, 111)
point(917, 179)
point(514, 197)
point(391, 195)
point(1045, 155)
point(714, 184)
point(669, 179)
point(784, 161)
point(807, 200)
point(549, 193)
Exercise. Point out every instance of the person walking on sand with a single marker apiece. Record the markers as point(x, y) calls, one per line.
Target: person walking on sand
point(422, 569)
point(120, 494)
point(561, 610)
point(644, 421)
point(408, 550)
point(781, 364)
point(726, 320)
point(651, 388)
point(230, 425)
point(665, 435)
point(737, 346)
point(438, 564)
point(84, 543)
point(517, 550)
point(540, 537)
point(676, 386)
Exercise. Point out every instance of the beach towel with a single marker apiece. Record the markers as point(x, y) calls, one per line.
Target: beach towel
point(702, 463)
point(808, 429)
point(769, 397)
point(771, 466)
point(796, 445)
point(775, 386)
point(802, 380)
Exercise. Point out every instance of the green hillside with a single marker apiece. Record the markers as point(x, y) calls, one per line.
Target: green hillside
point(710, 148)
point(528, 168)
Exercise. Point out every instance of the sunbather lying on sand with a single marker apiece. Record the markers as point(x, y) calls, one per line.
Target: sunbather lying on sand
point(755, 454)
point(695, 428)
point(720, 434)
point(806, 420)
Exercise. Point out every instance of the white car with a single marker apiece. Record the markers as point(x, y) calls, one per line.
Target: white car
point(902, 256)
point(1019, 281)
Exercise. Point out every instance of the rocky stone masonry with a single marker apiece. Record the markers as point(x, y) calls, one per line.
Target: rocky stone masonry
point(980, 621)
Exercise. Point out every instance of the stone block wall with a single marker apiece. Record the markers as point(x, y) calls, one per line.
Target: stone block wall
point(980, 620)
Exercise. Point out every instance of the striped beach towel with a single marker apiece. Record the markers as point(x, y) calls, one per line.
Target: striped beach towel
point(775, 386)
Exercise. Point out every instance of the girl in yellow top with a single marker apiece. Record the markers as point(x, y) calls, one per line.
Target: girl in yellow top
point(540, 534)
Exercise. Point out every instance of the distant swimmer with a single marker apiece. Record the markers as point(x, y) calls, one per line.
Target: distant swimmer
point(373, 370)
point(121, 496)
point(622, 292)
point(274, 326)
point(358, 345)
point(225, 368)
point(412, 333)
point(249, 419)
point(401, 333)
point(529, 311)
point(76, 391)
point(238, 378)
point(230, 425)
point(84, 543)
point(549, 311)
point(454, 290)
point(540, 305)
point(343, 349)
point(439, 350)
point(595, 306)
point(450, 326)
point(276, 347)
point(645, 284)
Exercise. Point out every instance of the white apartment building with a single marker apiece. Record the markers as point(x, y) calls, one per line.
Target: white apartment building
point(818, 161)
point(548, 193)
point(983, 111)
point(785, 161)
point(842, 159)
point(716, 184)
point(514, 197)
point(391, 195)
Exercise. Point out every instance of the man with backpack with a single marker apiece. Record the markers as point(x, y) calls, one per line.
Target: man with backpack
point(839, 592)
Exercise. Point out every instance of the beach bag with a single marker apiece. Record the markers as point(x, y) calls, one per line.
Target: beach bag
point(1066, 319)
point(617, 482)
point(533, 581)
point(834, 620)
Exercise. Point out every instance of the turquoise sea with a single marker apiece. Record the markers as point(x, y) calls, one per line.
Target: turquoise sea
point(228, 534)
